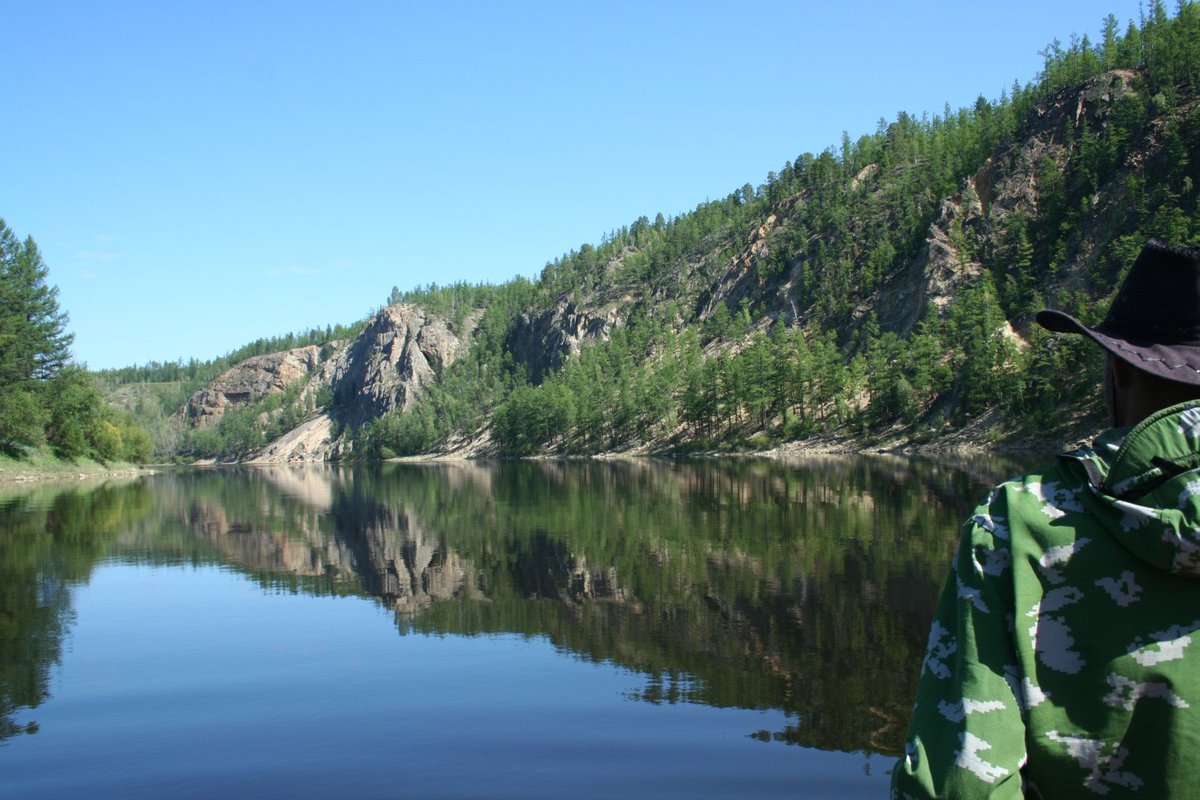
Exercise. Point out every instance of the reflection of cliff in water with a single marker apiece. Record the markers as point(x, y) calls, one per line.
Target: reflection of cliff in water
point(396, 558)
point(297, 528)
point(807, 588)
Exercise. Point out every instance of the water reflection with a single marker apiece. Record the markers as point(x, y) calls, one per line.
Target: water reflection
point(805, 587)
point(49, 541)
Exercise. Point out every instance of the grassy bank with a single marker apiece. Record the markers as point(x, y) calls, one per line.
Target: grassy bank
point(43, 465)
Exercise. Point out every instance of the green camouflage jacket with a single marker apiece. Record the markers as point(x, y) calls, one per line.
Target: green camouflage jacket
point(1060, 663)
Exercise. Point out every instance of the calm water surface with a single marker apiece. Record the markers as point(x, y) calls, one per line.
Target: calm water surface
point(593, 630)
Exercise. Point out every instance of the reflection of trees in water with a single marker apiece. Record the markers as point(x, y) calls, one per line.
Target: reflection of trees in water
point(805, 587)
point(49, 540)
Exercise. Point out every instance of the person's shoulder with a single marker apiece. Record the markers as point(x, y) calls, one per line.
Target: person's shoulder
point(1048, 482)
point(1051, 492)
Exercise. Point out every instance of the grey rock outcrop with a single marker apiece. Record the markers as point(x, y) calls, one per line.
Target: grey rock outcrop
point(1006, 184)
point(741, 280)
point(544, 342)
point(401, 351)
point(938, 272)
point(251, 380)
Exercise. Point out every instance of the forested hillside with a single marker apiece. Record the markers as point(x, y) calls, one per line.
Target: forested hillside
point(882, 289)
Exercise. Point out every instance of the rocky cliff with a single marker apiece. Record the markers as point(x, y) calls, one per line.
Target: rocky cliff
point(401, 351)
point(1007, 186)
point(543, 341)
point(250, 381)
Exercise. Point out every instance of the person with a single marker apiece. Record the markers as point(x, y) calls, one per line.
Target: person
point(1061, 660)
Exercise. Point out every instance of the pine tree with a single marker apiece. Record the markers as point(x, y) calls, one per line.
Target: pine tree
point(34, 343)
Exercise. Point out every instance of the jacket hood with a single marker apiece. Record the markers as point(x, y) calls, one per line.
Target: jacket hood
point(1151, 484)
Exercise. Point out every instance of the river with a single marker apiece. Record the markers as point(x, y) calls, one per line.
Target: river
point(591, 629)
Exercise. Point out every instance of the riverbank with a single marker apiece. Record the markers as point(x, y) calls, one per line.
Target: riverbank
point(987, 435)
point(40, 467)
point(982, 436)
point(957, 446)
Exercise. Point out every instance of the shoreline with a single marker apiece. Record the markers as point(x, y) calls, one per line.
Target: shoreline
point(977, 440)
point(17, 473)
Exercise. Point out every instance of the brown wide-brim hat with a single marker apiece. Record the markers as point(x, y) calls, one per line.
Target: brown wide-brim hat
point(1154, 321)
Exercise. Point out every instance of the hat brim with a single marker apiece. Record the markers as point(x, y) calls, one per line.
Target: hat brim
point(1059, 322)
point(1172, 362)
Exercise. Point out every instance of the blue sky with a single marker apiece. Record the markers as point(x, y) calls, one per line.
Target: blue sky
point(202, 174)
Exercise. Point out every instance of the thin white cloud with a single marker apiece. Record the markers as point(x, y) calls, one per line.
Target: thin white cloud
point(99, 255)
point(281, 272)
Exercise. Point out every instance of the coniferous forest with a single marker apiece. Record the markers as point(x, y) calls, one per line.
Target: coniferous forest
point(882, 290)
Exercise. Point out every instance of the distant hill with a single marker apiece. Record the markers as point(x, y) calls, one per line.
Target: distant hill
point(881, 292)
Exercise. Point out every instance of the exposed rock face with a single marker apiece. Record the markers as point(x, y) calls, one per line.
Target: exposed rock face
point(310, 441)
point(741, 280)
point(402, 351)
point(251, 380)
point(1006, 184)
point(544, 342)
point(936, 275)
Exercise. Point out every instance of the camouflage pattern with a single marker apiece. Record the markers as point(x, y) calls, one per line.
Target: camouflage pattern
point(1061, 663)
